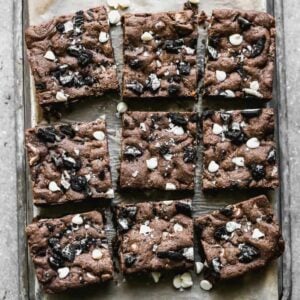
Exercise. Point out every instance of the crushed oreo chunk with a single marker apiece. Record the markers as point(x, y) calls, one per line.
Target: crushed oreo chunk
point(258, 172)
point(136, 87)
point(47, 134)
point(78, 183)
point(172, 255)
point(132, 152)
point(247, 253)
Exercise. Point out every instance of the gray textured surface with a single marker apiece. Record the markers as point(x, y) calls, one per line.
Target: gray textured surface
point(8, 207)
point(292, 31)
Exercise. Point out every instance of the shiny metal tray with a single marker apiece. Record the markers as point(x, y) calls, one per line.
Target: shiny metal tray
point(272, 282)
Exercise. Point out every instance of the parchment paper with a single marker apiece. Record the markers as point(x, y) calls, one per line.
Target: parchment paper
point(261, 284)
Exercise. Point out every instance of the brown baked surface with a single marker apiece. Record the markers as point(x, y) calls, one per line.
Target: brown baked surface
point(69, 156)
point(154, 236)
point(168, 138)
point(170, 57)
point(258, 168)
point(250, 61)
point(83, 66)
point(59, 243)
point(253, 245)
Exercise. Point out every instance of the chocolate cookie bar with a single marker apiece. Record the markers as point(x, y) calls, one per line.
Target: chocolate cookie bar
point(240, 54)
point(158, 150)
point(72, 57)
point(154, 236)
point(239, 149)
point(70, 252)
point(160, 55)
point(69, 162)
point(239, 238)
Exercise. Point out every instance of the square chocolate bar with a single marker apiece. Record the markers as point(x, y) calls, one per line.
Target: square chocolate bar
point(240, 54)
point(70, 252)
point(69, 162)
point(71, 57)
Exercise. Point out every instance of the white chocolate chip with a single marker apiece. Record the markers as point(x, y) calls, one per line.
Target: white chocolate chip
point(61, 96)
point(236, 39)
point(257, 234)
point(146, 36)
point(168, 202)
point(50, 55)
point(177, 130)
point(110, 193)
point(170, 186)
point(53, 187)
point(199, 267)
point(168, 156)
point(186, 280)
point(232, 226)
point(103, 37)
point(135, 173)
point(188, 253)
point(152, 163)
point(183, 281)
point(114, 17)
point(239, 161)
point(177, 282)
point(254, 85)
point(194, 1)
point(145, 229)
point(158, 64)
point(156, 276)
point(122, 107)
point(63, 272)
point(68, 26)
point(177, 227)
point(220, 75)
point(143, 127)
point(99, 135)
point(253, 93)
point(205, 285)
point(213, 167)
point(113, 3)
point(64, 182)
point(124, 4)
point(253, 143)
point(229, 94)
point(77, 219)
point(97, 254)
point(217, 129)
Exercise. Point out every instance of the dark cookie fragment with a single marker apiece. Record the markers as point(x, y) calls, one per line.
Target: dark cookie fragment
point(158, 150)
point(71, 57)
point(240, 55)
point(160, 55)
point(239, 150)
point(154, 236)
point(69, 162)
point(243, 240)
point(70, 252)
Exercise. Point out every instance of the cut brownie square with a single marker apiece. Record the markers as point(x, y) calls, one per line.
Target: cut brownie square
point(240, 54)
point(70, 252)
point(72, 57)
point(69, 162)
point(239, 238)
point(239, 149)
point(158, 150)
point(160, 55)
point(154, 236)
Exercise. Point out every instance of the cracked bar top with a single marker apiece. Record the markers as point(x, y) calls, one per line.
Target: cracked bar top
point(240, 54)
point(155, 236)
point(72, 57)
point(239, 238)
point(69, 162)
point(160, 55)
point(70, 252)
point(158, 150)
point(239, 149)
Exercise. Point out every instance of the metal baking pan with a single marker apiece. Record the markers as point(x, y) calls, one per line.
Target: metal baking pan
point(272, 282)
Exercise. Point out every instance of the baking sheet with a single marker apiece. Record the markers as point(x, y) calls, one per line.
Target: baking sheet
point(262, 284)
